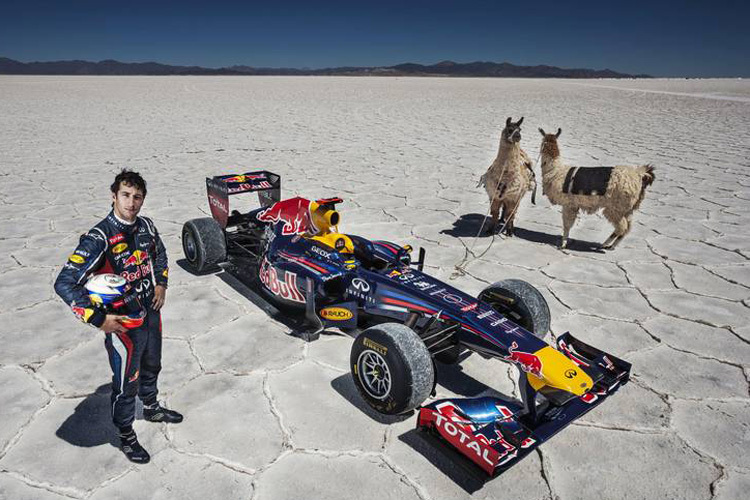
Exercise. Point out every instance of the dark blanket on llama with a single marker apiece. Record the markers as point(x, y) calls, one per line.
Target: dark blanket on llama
point(587, 180)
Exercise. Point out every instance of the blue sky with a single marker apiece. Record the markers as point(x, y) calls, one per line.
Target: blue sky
point(658, 38)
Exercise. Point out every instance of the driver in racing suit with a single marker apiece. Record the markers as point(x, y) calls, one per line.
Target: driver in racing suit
point(127, 245)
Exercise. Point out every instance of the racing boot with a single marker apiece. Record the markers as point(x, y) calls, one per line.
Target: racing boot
point(157, 413)
point(131, 447)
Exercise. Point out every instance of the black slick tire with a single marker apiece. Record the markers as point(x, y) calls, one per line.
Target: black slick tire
point(392, 368)
point(203, 243)
point(521, 303)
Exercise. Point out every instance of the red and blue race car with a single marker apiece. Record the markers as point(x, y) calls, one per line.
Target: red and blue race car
point(294, 250)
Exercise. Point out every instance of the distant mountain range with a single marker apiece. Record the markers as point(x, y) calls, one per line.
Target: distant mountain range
point(445, 68)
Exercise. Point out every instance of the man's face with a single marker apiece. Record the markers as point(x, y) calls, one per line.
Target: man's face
point(127, 202)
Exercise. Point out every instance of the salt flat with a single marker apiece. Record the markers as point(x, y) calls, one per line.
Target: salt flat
point(269, 416)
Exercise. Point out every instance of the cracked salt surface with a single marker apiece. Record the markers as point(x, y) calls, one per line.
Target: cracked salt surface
point(268, 416)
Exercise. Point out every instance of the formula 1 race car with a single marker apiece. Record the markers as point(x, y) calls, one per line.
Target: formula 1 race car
point(307, 268)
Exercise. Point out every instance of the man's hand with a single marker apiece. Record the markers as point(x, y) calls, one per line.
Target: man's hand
point(160, 295)
point(112, 324)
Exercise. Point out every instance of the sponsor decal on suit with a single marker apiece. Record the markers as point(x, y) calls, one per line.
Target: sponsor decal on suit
point(76, 259)
point(119, 248)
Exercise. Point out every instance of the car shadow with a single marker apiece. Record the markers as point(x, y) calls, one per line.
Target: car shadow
point(185, 266)
point(91, 422)
point(344, 385)
point(246, 284)
point(459, 469)
point(453, 378)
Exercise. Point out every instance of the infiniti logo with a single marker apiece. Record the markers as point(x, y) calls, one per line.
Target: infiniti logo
point(361, 285)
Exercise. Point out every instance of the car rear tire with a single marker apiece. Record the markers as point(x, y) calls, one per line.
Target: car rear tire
point(203, 243)
point(520, 302)
point(392, 368)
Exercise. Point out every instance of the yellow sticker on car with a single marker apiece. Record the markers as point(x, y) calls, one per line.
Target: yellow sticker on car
point(336, 314)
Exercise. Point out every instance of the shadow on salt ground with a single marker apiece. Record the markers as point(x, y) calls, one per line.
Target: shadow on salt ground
point(245, 282)
point(468, 225)
point(344, 385)
point(447, 460)
point(554, 240)
point(464, 473)
point(91, 422)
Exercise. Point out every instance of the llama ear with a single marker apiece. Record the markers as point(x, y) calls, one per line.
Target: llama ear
point(519, 122)
point(507, 122)
point(559, 131)
point(541, 131)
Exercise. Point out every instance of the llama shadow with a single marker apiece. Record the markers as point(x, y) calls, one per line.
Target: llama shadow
point(91, 423)
point(554, 240)
point(468, 225)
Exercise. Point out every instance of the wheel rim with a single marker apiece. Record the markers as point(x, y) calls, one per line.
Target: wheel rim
point(374, 374)
point(188, 245)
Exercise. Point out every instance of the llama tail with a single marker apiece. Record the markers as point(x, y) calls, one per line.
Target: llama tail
point(647, 178)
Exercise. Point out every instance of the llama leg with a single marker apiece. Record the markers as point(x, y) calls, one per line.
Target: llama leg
point(609, 239)
point(569, 215)
point(622, 226)
point(629, 223)
point(494, 211)
point(509, 217)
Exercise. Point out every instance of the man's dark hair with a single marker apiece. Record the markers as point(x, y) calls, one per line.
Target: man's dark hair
point(129, 178)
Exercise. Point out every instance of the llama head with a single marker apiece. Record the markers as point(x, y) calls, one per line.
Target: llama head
point(512, 131)
point(549, 143)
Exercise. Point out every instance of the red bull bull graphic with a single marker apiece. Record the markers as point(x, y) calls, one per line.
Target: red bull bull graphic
point(530, 363)
point(245, 178)
point(294, 213)
point(247, 182)
point(137, 258)
point(285, 288)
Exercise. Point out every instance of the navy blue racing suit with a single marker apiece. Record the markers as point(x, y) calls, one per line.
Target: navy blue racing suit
point(135, 252)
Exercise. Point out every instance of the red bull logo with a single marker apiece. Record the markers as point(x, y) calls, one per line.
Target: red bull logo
point(294, 213)
point(285, 288)
point(244, 178)
point(137, 258)
point(530, 363)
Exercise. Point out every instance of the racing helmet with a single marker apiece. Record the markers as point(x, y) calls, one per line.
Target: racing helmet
point(113, 295)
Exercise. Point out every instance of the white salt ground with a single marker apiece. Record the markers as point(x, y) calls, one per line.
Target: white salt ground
point(268, 416)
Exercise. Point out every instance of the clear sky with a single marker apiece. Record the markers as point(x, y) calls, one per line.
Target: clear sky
point(704, 38)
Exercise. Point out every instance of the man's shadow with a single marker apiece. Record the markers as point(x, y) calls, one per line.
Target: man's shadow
point(468, 225)
point(91, 422)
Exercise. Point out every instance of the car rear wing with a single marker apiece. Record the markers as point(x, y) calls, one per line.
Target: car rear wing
point(221, 187)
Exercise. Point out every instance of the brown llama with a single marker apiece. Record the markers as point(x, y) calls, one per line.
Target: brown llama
point(617, 190)
point(509, 177)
